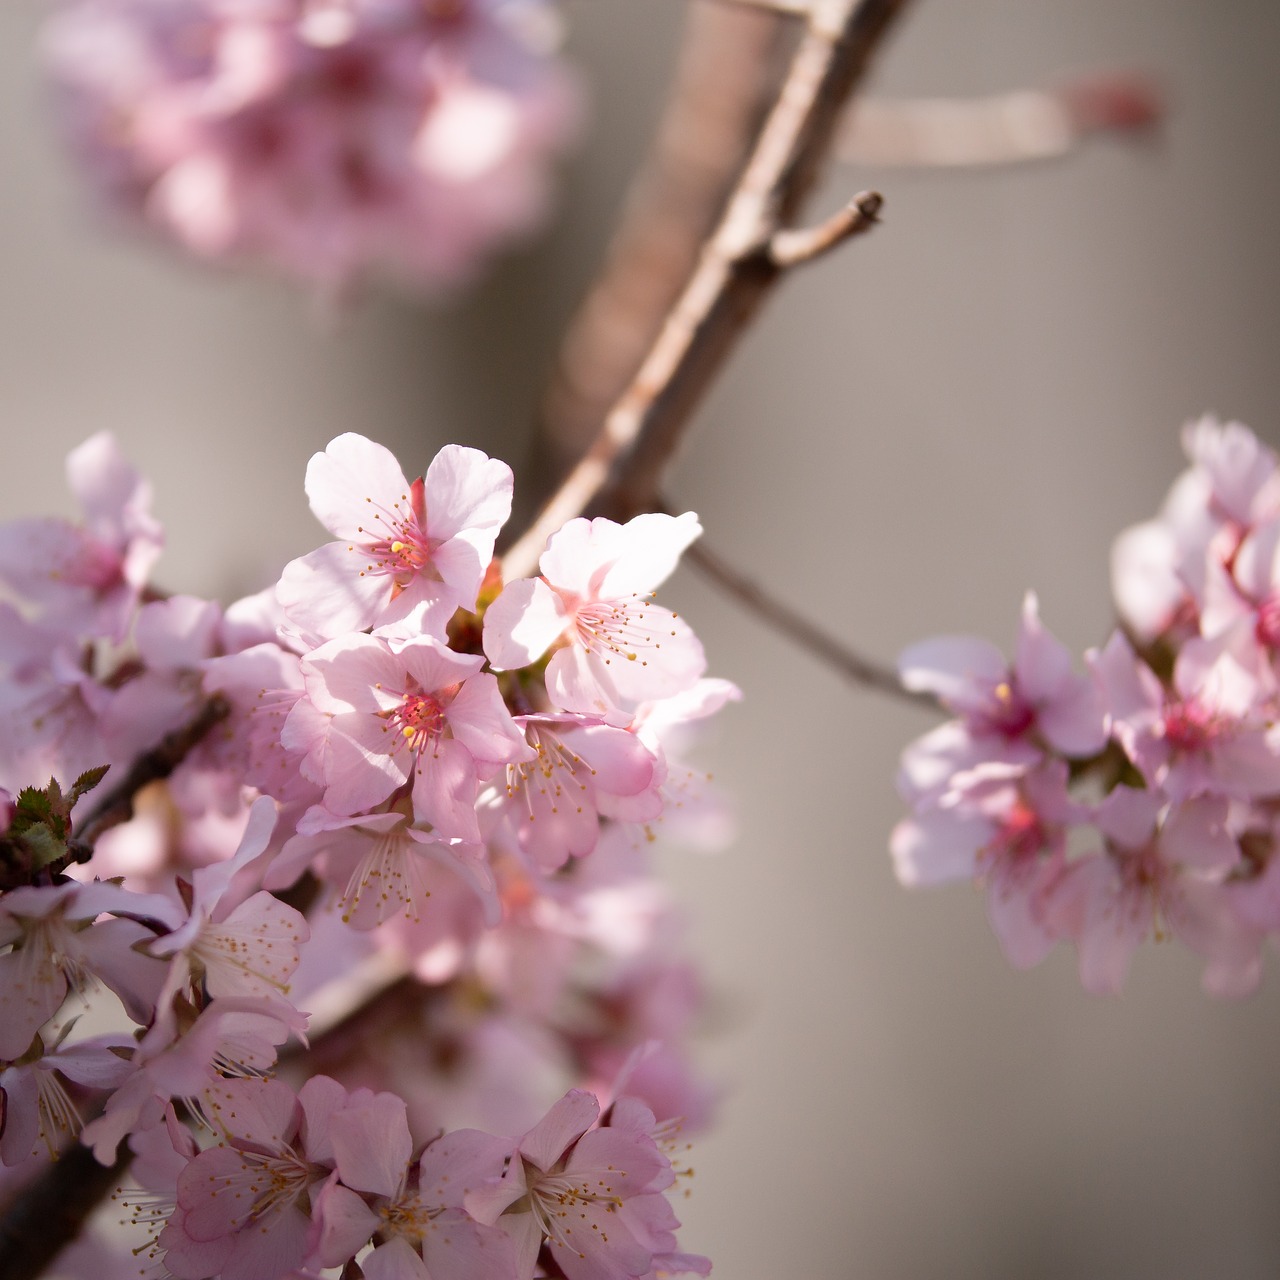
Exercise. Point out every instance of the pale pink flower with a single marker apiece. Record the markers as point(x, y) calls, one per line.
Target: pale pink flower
point(581, 770)
point(616, 648)
point(332, 140)
point(1208, 734)
point(420, 716)
point(243, 1207)
point(35, 1106)
point(180, 1058)
point(235, 942)
point(1006, 829)
point(417, 1211)
point(576, 1188)
point(88, 577)
point(1160, 872)
point(56, 947)
point(386, 867)
point(1037, 700)
point(402, 547)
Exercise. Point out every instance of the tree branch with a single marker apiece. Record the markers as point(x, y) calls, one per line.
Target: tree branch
point(1003, 129)
point(800, 630)
point(48, 1213)
point(729, 65)
point(792, 248)
point(620, 472)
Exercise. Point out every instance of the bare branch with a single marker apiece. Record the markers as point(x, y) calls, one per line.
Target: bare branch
point(620, 472)
point(730, 62)
point(1004, 129)
point(788, 623)
point(792, 248)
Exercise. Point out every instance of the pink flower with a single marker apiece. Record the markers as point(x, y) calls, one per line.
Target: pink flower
point(1208, 734)
point(332, 140)
point(417, 1211)
point(55, 946)
point(402, 547)
point(616, 647)
point(420, 716)
point(1037, 698)
point(580, 770)
point(35, 1106)
point(88, 577)
point(1159, 871)
point(1007, 829)
point(580, 1190)
point(230, 943)
point(243, 1207)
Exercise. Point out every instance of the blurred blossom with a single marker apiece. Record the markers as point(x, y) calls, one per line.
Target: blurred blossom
point(331, 140)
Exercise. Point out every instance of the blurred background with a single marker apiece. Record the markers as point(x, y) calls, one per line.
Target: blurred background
point(971, 401)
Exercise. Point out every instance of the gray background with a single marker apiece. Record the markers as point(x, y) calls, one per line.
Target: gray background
point(969, 402)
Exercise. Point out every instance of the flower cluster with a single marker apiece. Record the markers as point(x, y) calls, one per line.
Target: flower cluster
point(329, 139)
point(1143, 798)
point(420, 780)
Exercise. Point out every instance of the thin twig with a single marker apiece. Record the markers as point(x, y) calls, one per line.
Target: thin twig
point(790, 624)
point(792, 248)
point(116, 805)
point(620, 472)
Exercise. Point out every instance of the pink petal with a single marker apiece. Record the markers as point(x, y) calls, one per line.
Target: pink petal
point(522, 624)
point(567, 1120)
point(466, 490)
point(350, 479)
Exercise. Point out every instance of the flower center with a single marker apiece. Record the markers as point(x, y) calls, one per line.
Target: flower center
point(419, 720)
point(1188, 726)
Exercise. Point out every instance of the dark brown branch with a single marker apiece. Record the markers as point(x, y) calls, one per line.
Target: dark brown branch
point(620, 473)
point(116, 805)
point(47, 1215)
point(788, 623)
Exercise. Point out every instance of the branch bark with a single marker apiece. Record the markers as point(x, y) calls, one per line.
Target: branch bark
point(621, 471)
point(729, 65)
point(47, 1215)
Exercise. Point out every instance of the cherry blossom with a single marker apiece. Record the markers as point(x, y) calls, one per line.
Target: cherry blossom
point(616, 647)
point(402, 547)
point(331, 141)
point(578, 1189)
point(419, 715)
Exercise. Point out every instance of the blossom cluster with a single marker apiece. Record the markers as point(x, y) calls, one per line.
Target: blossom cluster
point(420, 781)
point(328, 139)
point(1142, 798)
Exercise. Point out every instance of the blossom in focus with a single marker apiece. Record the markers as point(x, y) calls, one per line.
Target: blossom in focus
point(332, 140)
point(403, 548)
point(617, 648)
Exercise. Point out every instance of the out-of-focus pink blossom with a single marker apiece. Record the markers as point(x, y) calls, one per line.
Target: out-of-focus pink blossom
point(331, 141)
point(88, 577)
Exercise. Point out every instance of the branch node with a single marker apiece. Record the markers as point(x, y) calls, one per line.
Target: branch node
point(788, 249)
